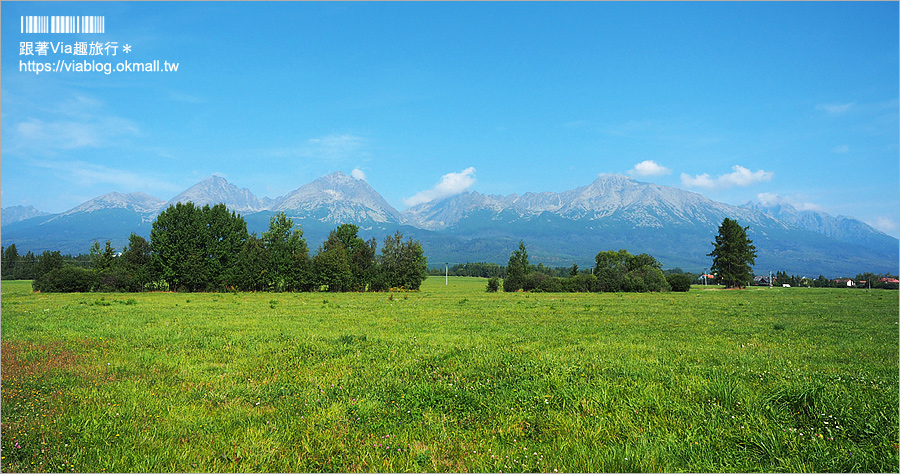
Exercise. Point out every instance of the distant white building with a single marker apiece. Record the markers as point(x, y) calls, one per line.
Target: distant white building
point(847, 281)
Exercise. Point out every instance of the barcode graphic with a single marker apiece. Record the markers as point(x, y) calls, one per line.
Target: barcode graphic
point(63, 24)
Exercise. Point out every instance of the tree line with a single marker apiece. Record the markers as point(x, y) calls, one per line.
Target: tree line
point(613, 271)
point(884, 281)
point(490, 270)
point(194, 248)
point(209, 249)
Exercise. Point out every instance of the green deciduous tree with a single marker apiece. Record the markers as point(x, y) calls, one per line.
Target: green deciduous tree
point(650, 278)
point(195, 247)
point(252, 267)
point(622, 271)
point(610, 269)
point(137, 262)
point(402, 264)
point(733, 254)
point(287, 260)
point(332, 267)
point(679, 281)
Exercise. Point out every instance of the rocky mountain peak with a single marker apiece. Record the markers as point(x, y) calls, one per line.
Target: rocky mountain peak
point(217, 190)
point(339, 198)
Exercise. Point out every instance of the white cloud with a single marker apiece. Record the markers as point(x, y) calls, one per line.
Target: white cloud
point(769, 199)
point(649, 168)
point(90, 174)
point(772, 199)
point(451, 184)
point(884, 224)
point(744, 177)
point(835, 109)
point(741, 176)
point(74, 123)
point(43, 136)
point(699, 181)
point(358, 174)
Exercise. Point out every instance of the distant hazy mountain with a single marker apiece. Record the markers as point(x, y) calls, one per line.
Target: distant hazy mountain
point(613, 212)
point(11, 214)
point(617, 212)
point(338, 198)
point(217, 190)
point(137, 202)
point(441, 214)
point(841, 228)
point(609, 196)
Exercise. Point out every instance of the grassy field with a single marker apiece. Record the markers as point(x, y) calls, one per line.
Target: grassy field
point(450, 379)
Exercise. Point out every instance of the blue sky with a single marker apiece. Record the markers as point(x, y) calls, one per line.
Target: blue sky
point(794, 102)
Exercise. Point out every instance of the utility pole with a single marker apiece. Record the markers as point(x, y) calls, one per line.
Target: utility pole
point(447, 274)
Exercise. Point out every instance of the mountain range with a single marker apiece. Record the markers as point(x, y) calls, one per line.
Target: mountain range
point(611, 213)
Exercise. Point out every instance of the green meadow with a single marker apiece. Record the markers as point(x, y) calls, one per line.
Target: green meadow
point(450, 378)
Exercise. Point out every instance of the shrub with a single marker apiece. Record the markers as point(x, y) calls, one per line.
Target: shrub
point(116, 279)
point(66, 280)
point(493, 284)
point(511, 285)
point(540, 282)
point(679, 282)
point(655, 279)
point(583, 283)
point(379, 283)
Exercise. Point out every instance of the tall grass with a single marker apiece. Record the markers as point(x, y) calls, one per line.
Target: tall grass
point(450, 379)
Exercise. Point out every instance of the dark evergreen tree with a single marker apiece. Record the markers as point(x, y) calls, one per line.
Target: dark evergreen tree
point(27, 266)
point(516, 269)
point(102, 259)
point(733, 254)
point(47, 262)
point(361, 255)
point(10, 263)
